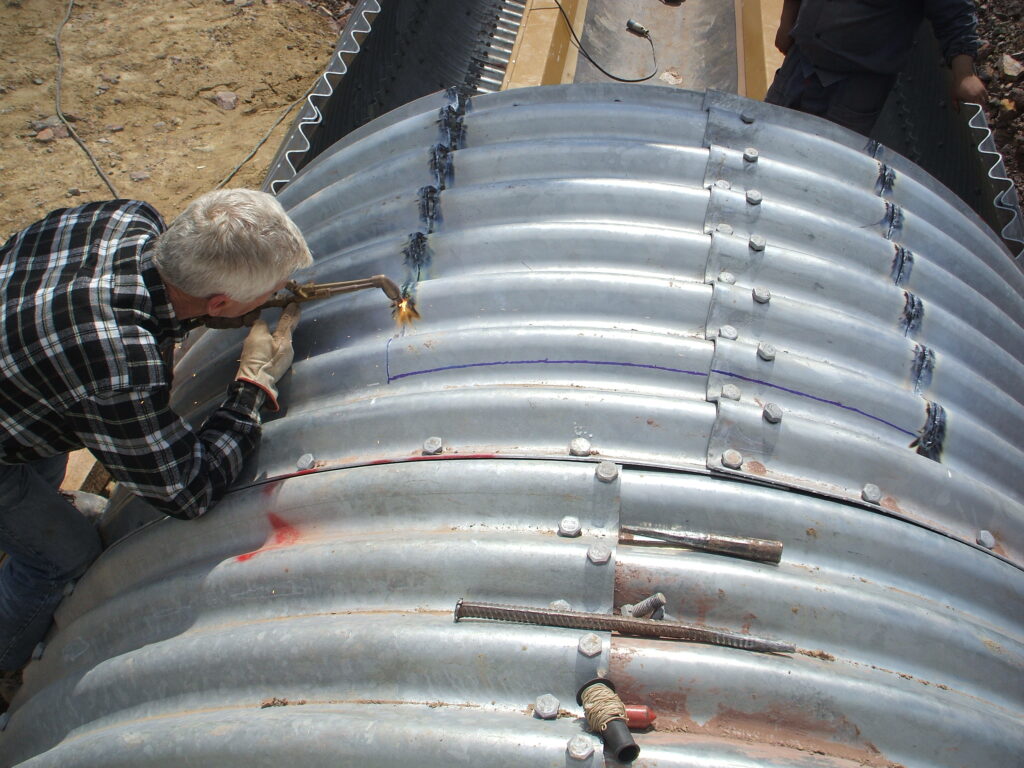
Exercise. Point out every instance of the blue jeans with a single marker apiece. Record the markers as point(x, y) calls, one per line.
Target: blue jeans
point(48, 544)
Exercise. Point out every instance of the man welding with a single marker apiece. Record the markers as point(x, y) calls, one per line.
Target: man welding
point(92, 296)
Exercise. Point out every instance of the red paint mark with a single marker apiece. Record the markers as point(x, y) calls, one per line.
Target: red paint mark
point(283, 535)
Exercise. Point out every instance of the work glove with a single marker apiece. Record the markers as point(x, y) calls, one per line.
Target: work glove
point(267, 356)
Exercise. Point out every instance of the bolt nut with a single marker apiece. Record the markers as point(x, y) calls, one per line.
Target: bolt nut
point(432, 446)
point(599, 553)
point(757, 243)
point(728, 332)
point(761, 294)
point(726, 277)
point(37, 652)
point(766, 351)
point(754, 197)
point(607, 471)
point(590, 645)
point(546, 707)
point(747, 118)
point(569, 527)
point(732, 458)
point(723, 184)
point(986, 539)
point(579, 446)
point(306, 461)
point(725, 229)
point(731, 392)
point(750, 155)
point(626, 610)
point(871, 493)
point(560, 605)
point(579, 747)
point(772, 413)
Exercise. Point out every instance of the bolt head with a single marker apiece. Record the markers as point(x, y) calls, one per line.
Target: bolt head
point(569, 527)
point(747, 118)
point(607, 471)
point(432, 446)
point(590, 645)
point(560, 605)
point(579, 446)
point(723, 184)
point(871, 493)
point(626, 609)
point(754, 197)
point(757, 243)
point(599, 553)
point(579, 747)
point(546, 707)
point(726, 277)
point(728, 332)
point(750, 155)
point(37, 652)
point(766, 351)
point(731, 392)
point(986, 539)
point(761, 294)
point(725, 229)
point(732, 458)
point(772, 413)
point(306, 461)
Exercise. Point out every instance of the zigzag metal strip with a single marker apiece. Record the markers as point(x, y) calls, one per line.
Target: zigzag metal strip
point(1005, 200)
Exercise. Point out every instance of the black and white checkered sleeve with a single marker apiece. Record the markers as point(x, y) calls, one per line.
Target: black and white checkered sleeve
point(149, 449)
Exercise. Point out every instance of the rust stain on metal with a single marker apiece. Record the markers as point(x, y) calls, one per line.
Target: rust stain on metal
point(890, 503)
point(755, 468)
point(817, 654)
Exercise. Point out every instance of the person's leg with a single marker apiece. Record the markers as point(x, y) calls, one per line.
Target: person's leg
point(48, 543)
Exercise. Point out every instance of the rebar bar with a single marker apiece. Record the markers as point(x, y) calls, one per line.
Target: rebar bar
point(759, 550)
point(465, 609)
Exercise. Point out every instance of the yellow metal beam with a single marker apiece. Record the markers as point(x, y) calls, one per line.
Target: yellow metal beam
point(543, 53)
point(757, 22)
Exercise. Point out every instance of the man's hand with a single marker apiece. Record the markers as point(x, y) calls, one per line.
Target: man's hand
point(267, 356)
point(966, 86)
point(783, 38)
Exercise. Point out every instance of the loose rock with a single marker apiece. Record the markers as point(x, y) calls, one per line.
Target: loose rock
point(138, 175)
point(226, 99)
point(1009, 67)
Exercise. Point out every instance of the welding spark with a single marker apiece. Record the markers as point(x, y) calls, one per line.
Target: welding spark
point(404, 311)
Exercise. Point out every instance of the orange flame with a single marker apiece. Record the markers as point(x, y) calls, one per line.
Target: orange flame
point(404, 311)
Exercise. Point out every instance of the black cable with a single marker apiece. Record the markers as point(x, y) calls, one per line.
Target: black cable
point(588, 57)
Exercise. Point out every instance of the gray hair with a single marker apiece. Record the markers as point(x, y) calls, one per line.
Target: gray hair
point(238, 242)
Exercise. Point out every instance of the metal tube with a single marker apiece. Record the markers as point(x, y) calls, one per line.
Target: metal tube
point(760, 550)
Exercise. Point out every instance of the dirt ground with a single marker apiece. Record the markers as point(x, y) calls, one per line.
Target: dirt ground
point(140, 81)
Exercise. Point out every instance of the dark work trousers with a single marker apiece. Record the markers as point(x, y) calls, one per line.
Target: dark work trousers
point(853, 102)
point(48, 544)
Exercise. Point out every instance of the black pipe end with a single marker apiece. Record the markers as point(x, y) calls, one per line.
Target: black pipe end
point(619, 741)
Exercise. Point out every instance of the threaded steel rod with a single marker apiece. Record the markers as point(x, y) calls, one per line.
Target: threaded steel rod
point(760, 550)
point(465, 609)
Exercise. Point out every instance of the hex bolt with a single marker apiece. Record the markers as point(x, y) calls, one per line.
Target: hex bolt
point(649, 605)
point(432, 446)
point(607, 471)
point(37, 652)
point(726, 277)
point(728, 332)
point(306, 461)
point(871, 493)
point(723, 184)
point(754, 197)
point(757, 243)
point(761, 294)
point(747, 118)
point(750, 155)
point(579, 446)
point(589, 645)
point(626, 609)
point(732, 458)
point(772, 413)
point(560, 605)
point(546, 707)
point(569, 527)
point(599, 553)
point(580, 747)
point(725, 229)
point(731, 392)
point(986, 539)
point(766, 351)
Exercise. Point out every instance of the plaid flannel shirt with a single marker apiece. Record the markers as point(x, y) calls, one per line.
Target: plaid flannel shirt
point(85, 316)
